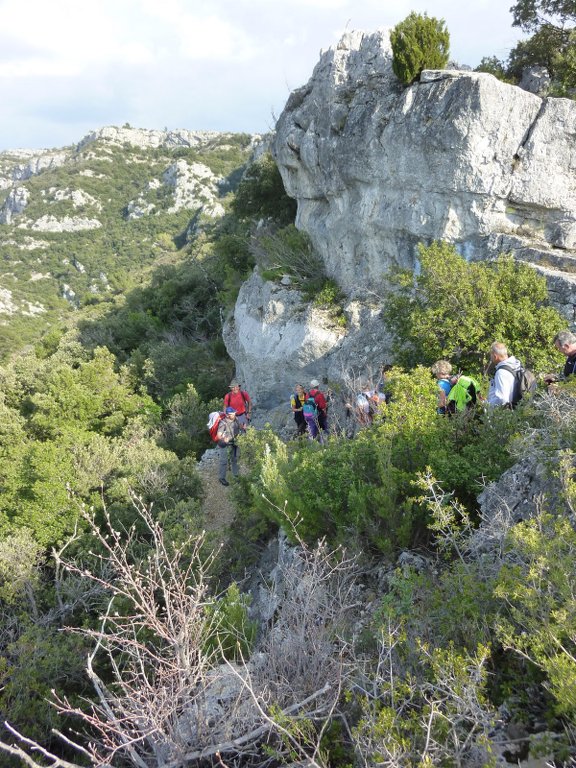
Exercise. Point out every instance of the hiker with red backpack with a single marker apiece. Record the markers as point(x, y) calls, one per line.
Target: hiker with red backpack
point(239, 399)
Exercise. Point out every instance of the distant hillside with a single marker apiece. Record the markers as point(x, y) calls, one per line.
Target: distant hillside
point(81, 224)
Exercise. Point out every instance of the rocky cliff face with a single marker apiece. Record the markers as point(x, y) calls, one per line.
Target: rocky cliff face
point(377, 168)
point(277, 340)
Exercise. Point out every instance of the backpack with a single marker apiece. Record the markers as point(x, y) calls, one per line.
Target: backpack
point(525, 383)
point(214, 420)
point(463, 395)
point(310, 409)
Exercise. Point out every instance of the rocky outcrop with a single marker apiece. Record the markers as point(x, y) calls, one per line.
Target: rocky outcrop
point(279, 339)
point(146, 139)
point(377, 168)
point(21, 164)
point(14, 204)
point(65, 224)
point(192, 186)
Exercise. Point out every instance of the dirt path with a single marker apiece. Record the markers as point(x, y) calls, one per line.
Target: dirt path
point(218, 509)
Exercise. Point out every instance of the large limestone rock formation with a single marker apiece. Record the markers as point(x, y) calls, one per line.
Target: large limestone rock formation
point(461, 156)
point(377, 168)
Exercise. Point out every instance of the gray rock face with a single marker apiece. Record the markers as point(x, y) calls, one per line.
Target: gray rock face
point(14, 204)
point(459, 156)
point(141, 137)
point(277, 340)
point(377, 168)
point(21, 164)
point(535, 80)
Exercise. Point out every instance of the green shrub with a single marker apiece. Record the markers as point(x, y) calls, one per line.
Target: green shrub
point(418, 43)
point(366, 489)
point(455, 309)
point(289, 251)
point(233, 633)
point(184, 428)
point(424, 706)
point(539, 605)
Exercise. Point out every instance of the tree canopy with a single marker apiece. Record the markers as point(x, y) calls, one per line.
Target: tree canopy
point(532, 15)
point(552, 45)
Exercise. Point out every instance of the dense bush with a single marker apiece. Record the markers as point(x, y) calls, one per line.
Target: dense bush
point(419, 42)
point(455, 309)
point(537, 589)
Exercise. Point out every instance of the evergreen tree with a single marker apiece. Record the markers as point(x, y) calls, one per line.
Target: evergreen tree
point(455, 309)
point(418, 43)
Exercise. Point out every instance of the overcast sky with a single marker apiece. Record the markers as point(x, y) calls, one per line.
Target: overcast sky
point(70, 66)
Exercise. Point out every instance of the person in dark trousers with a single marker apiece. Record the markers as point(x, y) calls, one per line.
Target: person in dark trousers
point(297, 403)
point(322, 408)
point(227, 433)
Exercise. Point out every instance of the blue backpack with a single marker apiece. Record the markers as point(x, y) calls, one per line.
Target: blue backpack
point(310, 409)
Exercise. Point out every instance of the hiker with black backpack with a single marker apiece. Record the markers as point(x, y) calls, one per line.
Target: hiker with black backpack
point(501, 390)
point(511, 381)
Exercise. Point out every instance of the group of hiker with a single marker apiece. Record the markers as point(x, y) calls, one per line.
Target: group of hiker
point(509, 382)
point(228, 424)
point(457, 393)
point(310, 410)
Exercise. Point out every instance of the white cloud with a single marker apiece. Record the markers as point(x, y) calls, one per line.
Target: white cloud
point(212, 38)
point(67, 67)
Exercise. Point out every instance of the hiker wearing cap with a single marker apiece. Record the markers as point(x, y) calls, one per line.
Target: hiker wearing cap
point(321, 420)
point(238, 399)
point(228, 430)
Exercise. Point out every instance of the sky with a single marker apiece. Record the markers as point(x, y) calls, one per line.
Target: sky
point(70, 66)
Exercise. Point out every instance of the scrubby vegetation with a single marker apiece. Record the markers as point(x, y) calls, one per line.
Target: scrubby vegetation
point(454, 309)
point(401, 627)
